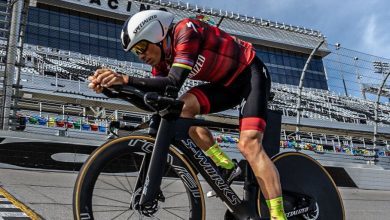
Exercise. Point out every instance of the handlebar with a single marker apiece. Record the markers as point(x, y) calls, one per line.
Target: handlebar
point(149, 101)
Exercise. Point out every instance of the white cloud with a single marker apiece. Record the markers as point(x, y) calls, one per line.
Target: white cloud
point(375, 37)
point(357, 24)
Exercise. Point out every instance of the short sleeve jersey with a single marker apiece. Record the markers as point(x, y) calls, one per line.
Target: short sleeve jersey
point(211, 54)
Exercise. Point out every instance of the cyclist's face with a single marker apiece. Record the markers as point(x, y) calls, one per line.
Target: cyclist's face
point(152, 54)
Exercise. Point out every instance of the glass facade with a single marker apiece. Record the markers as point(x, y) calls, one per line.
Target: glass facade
point(66, 29)
point(286, 67)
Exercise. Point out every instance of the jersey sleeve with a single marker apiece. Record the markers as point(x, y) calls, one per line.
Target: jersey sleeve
point(160, 69)
point(187, 41)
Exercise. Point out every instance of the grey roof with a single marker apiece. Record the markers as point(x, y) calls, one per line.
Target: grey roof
point(259, 31)
point(256, 30)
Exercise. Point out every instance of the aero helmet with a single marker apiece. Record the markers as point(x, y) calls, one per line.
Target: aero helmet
point(148, 25)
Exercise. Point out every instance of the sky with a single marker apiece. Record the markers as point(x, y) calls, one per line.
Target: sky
point(362, 25)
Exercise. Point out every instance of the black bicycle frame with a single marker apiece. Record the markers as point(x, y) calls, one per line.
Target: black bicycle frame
point(174, 130)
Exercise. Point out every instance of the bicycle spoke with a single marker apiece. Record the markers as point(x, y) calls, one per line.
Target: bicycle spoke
point(127, 179)
point(110, 184)
point(112, 210)
point(103, 197)
point(175, 194)
point(167, 185)
point(131, 215)
point(117, 206)
point(173, 213)
point(120, 214)
point(179, 208)
point(122, 185)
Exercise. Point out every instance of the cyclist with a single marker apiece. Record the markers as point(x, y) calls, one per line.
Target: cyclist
point(196, 50)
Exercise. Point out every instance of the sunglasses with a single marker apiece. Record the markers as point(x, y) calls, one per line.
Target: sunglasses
point(140, 47)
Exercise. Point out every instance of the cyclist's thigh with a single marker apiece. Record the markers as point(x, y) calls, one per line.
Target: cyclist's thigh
point(254, 104)
point(215, 98)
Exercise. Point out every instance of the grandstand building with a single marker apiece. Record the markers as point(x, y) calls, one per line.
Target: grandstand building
point(66, 40)
point(93, 27)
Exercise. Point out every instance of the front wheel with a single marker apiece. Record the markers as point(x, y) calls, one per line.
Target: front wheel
point(301, 177)
point(106, 184)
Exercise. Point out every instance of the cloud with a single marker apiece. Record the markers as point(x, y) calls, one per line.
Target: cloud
point(357, 24)
point(369, 34)
point(375, 37)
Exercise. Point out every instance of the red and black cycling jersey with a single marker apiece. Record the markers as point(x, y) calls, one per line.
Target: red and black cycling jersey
point(209, 53)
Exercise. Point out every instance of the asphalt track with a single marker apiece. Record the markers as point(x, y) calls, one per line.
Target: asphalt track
point(49, 195)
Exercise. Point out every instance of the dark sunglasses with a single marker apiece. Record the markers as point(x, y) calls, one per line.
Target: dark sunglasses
point(140, 47)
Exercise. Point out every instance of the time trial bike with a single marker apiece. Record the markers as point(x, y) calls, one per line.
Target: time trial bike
point(157, 176)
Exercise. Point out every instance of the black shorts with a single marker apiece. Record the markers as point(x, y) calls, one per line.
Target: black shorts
point(250, 90)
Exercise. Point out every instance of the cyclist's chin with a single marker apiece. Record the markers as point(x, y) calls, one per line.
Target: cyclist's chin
point(152, 62)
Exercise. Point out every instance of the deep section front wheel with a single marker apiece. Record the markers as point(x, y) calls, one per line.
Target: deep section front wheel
point(106, 185)
point(302, 178)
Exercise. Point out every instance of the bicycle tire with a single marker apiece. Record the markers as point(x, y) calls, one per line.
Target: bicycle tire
point(106, 163)
point(302, 174)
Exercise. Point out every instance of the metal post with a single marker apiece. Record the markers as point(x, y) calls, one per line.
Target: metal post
point(341, 71)
point(376, 115)
point(359, 77)
point(12, 55)
point(301, 84)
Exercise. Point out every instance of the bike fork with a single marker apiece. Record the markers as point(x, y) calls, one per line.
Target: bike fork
point(158, 160)
point(140, 179)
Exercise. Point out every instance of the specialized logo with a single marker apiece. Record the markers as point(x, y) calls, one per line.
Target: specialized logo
point(297, 212)
point(147, 20)
point(242, 105)
point(212, 172)
point(265, 72)
point(198, 66)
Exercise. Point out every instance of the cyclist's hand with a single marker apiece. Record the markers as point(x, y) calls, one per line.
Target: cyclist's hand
point(105, 78)
point(94, 85)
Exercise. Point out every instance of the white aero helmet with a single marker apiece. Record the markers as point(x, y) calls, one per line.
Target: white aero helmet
point(148, 25)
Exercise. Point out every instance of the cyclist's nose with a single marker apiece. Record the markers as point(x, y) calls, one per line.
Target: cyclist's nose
point(142, 57)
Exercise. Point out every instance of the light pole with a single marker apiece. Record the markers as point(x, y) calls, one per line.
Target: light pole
point(338, 46)
point(382, 68)
point(359, 77)
point(300, 87)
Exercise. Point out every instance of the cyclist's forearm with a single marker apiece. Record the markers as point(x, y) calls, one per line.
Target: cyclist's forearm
point(176, 78)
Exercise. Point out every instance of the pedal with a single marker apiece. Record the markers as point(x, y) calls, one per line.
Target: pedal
point(211, 194)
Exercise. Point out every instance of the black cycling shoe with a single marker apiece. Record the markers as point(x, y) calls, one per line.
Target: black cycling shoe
point(230, 174)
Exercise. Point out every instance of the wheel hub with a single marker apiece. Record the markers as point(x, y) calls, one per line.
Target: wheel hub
point(147, 209)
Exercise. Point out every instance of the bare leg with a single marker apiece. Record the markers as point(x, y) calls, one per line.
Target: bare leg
point(202, 136)
point(265, 171)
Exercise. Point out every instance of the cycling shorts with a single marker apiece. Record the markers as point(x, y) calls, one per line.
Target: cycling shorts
point(250, 90)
